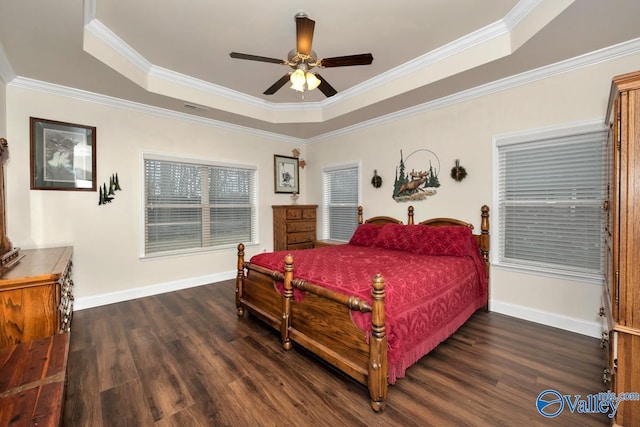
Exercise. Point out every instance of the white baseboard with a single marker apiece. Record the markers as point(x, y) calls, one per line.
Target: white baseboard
point(129, 294)
point(580, 326)
point(572, 324)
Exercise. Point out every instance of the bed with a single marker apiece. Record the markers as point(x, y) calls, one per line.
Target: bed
point(374, 306)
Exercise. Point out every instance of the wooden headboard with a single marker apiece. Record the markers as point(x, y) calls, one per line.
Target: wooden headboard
point(482, 238)
point(379, 220)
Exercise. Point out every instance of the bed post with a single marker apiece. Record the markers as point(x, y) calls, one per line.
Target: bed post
point(484, 236)
point(410, 215)
point(378, 366)
point(484, 246)
point(239, 280)
point(360, 215)
point(287, 299)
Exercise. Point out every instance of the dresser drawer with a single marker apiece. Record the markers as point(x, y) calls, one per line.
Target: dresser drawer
point(293, 213)
point(301, 213)
point(309, 213)
point(304, 237)
point(299, 226)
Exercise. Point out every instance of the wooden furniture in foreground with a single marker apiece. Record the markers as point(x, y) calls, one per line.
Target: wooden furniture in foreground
point(36, 296)
point(9, 256)
point(622, 237)
point(322, 321)
point(32, 382)
point(294, 226)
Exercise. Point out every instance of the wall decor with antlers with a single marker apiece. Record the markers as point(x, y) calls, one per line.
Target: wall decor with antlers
point(419, 183)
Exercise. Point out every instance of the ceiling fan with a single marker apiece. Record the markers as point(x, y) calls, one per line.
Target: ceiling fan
point(302, 59)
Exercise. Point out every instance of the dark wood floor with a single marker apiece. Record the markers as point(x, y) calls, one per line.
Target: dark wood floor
point(185, 359)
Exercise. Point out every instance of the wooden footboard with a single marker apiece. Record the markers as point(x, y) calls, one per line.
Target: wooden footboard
point(320, 322)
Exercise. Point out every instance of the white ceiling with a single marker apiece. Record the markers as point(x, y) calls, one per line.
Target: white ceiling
point(166, 53)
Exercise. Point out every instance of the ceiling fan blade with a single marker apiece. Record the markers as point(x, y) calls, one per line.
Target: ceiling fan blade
point(325, 87)
point(304, 34)
point(277, 85)
point(256, 58)
point(346, 61)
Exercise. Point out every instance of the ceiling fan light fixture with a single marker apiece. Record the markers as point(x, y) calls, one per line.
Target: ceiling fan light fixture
point(312, 81)
point(298, 87)
point(302, 58)
point(297, 78)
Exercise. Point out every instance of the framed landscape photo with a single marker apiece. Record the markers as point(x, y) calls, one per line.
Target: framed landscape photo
point(286, 174)
point(63, 156)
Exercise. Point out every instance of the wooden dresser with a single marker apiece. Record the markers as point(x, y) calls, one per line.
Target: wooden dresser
point(622, 236)
point(294, 226)
point(36, 296)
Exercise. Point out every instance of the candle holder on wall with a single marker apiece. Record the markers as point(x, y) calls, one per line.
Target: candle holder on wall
point(458, 172)
point(376, 181)
point(301, 162)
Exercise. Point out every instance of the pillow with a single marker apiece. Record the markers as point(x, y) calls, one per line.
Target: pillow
point(390, 237)
point(454, 240)
point(398, 237)
point(365, 235)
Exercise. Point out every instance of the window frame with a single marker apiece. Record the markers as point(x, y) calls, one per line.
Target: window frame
point(325, 206)
point(202, 162)
point(536, 136)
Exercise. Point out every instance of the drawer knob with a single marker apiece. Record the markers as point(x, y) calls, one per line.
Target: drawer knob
point(605, 339)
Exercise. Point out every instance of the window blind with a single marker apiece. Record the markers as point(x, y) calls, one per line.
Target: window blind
point(550, 203)
point(189, 205)
point(340, 202)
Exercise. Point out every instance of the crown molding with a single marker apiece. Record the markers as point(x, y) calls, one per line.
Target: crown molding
point(110, 49)
point(592, 58)
point(476, 38)
point(499, 28)
point(6, 72)
point(111, 39)
point(221, 91)
point(607, 54)
point(85, 96)
point(520, 11)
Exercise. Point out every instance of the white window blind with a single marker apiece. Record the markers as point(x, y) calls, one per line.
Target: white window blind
point(551, 193)
point(340, 187)
point(193, 206)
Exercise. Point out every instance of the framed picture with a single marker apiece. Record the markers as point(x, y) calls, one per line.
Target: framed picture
point(286, 174)
point(63, 156)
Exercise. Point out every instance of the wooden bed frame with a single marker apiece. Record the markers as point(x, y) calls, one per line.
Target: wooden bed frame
point(321, 322)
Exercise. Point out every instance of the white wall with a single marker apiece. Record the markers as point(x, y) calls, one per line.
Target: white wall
point(465, 131)
point(106, 239)
point(107, 267)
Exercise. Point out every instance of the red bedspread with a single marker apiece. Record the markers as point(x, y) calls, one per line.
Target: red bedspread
point(427, 297)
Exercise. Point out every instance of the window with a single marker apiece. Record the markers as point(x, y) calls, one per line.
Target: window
point(340, 188)
point(191, 205)
point(551, 188)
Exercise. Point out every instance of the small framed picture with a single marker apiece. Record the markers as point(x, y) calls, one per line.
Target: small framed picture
point(286, 174)
point(63, 156)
